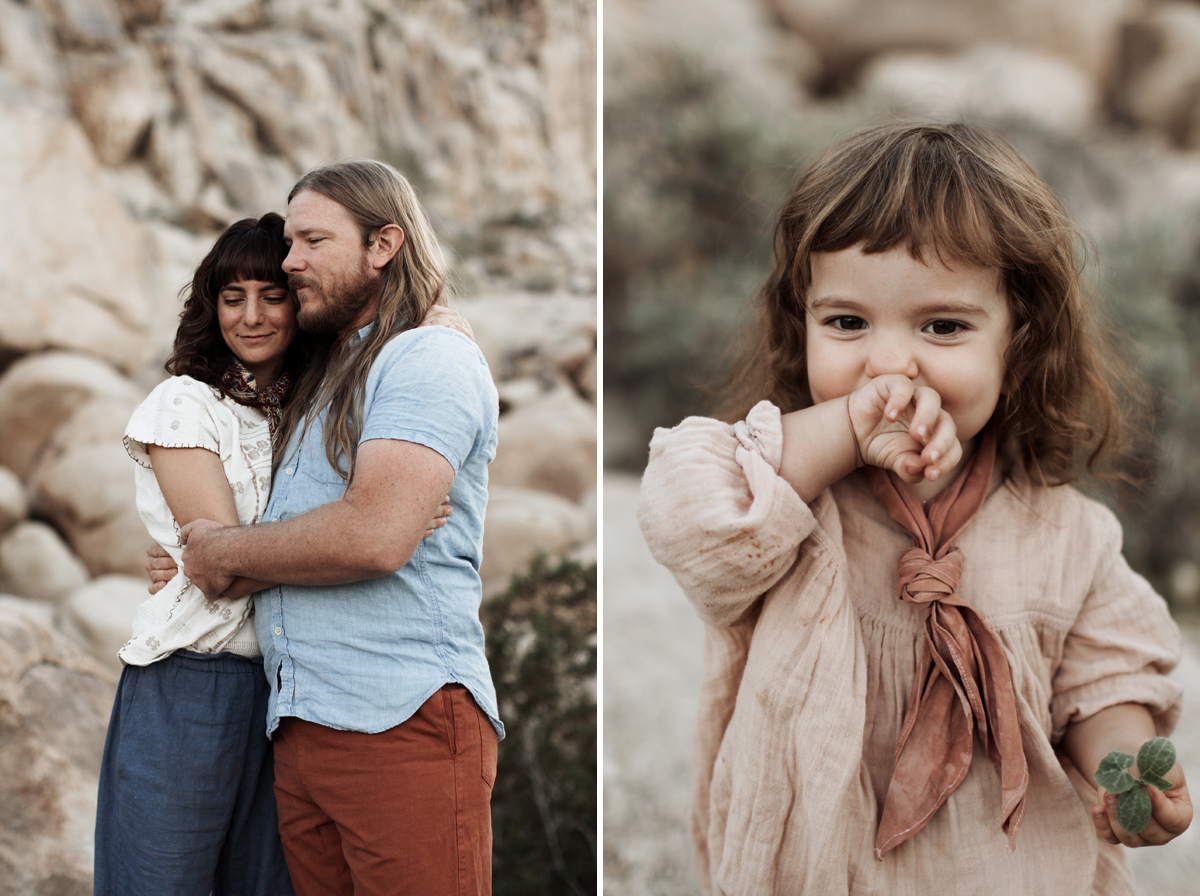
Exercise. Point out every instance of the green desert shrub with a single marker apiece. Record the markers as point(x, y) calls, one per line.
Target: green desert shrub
point(541, 646)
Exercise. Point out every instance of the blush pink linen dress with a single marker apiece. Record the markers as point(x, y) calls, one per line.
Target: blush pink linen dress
point(810, 658)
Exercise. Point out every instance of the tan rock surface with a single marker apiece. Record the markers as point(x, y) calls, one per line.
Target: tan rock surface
point(40, 392)
point(79, 285)
point(100, 615)
point(846, 33)
point(36, 563)
point(548, 444)
point(14, 503)
point(55, 702)
point(520, 524)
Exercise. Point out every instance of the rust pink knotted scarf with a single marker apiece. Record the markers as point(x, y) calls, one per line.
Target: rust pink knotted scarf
point(963, 683)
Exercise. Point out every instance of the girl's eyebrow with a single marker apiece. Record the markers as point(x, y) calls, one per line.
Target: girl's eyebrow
point(937, 307)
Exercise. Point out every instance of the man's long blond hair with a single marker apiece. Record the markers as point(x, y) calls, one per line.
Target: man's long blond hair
point(375, 194)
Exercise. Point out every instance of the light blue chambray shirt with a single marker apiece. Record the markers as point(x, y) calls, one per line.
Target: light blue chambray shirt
point(365, 656)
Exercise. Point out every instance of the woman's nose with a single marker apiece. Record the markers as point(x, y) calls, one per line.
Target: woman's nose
point(254, 310)
point(891, 354)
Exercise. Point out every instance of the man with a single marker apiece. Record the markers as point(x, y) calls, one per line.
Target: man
point(382, 708)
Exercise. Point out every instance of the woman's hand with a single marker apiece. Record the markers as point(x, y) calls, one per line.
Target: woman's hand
point(441, 316)
point(159, 567)
point(1170, 814)
point(439, 518)
point(902, 427)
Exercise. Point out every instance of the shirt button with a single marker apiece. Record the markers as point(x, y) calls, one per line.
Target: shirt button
point(278, 630)
point(290, 470)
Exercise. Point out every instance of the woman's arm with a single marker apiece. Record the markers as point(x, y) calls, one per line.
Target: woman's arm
point(1126, 727)
point(193, 483)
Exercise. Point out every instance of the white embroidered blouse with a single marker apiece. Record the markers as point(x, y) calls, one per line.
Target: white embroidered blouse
point(182, 412)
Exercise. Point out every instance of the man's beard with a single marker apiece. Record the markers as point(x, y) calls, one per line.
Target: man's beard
point(333, 314)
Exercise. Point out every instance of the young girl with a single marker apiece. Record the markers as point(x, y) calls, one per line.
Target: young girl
point(919, 643)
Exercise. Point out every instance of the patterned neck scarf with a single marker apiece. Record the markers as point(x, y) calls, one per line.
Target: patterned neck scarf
point(241, 384)
point(963, 684)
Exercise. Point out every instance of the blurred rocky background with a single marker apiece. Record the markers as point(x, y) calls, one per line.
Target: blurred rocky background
point(131, 133)
point(711, 109)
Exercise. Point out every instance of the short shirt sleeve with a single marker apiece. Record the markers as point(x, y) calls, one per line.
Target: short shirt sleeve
point(431, 386)
point(177, 414)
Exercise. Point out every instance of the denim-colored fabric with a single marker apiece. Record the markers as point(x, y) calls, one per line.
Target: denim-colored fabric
point(365, 656)
point(186, 804)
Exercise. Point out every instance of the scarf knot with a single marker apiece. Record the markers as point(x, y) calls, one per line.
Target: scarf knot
point(243, 386)
point(924, 579)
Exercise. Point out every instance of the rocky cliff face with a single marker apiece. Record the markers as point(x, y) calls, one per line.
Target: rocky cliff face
point(133, 131)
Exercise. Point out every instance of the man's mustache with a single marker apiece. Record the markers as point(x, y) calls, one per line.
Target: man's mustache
point(295, 281)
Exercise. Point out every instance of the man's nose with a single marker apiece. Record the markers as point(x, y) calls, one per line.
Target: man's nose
point(890, 353)
point(292, 261)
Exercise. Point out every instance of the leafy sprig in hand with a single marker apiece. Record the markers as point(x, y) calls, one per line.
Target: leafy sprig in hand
point(1143, 817)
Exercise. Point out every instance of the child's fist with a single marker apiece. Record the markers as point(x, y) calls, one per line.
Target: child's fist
point(1170, 814)
point(902, 427)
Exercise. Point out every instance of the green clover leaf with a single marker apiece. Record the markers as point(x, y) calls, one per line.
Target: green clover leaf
point(1156, 756)
point(1111, 774)
point(1133, 809)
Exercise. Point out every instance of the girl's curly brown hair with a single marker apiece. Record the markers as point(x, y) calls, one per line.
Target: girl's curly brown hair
point(960, 193)
point(249, 249)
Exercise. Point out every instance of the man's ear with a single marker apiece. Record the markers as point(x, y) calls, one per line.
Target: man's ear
point(387, 242)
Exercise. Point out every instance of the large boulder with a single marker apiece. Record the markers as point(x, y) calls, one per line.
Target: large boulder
point(73, 266)
point(990, 81)
point(89, 493)
point(523, 335)
point(40, 392)
point(14, 504)
point(100, 614)
point(522, 523)
point(849, 32)
point(27, 52)
point(548, 444)
point(55, 702)
point(115, 96)
point(1157, 83)
point(36, 563)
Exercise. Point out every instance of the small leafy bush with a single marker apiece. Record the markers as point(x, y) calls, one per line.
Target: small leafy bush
point(1154, 759)
point(541, 646)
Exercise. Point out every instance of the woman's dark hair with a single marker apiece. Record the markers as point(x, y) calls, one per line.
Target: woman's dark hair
point(249, 249)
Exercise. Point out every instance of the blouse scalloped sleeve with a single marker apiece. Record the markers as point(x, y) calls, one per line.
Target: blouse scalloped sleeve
point(1120, 648)
point(716, 513)
point(176, 414)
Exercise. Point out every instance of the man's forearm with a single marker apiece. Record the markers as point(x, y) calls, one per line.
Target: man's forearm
point(370, 531)
point(330, 545)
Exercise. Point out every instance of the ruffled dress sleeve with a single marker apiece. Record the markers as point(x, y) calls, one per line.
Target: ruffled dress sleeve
point(177, 414)
point(715, 512)
point(1121, 647)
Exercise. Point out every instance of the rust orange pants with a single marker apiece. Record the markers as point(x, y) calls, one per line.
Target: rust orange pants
point(406, 811)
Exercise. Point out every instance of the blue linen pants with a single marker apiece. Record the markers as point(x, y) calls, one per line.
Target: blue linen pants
point(186, 804)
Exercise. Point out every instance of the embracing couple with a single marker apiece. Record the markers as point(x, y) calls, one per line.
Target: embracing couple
point(313, 687)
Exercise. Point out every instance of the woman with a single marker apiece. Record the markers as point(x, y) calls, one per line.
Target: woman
point(185, 802)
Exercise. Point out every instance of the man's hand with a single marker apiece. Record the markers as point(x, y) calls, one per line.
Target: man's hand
point(159, 567)
point(441, 316)
point(1170, 814)
point(201, 556)
point(901, 427)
